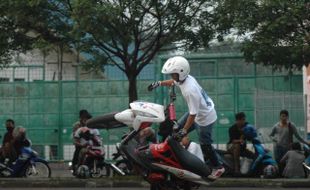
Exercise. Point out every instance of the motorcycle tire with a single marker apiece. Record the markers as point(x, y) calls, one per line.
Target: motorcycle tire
point(124, 166)
point(39, 169)
point(103, 171)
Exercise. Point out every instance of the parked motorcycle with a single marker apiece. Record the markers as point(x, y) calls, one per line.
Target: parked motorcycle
point(164, 165)
point(94, 164)
point(306, 163)
point(30, 166)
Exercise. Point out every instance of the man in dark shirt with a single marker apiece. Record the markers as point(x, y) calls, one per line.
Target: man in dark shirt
point(237, 143)
point(6, 149)
point(9, 124)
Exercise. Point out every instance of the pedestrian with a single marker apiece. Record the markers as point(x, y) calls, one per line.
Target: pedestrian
point(201, 114)
point(282, 135)
point(294, 162)
point(237, 143)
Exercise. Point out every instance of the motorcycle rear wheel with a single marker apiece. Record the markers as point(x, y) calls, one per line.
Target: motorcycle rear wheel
point(39, 169)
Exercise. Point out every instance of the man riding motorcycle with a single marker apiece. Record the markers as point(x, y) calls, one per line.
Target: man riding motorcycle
point(86, 138)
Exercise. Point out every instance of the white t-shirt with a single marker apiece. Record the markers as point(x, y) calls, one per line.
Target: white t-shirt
point(196, 98)
point(78, 135)
point(195, 149)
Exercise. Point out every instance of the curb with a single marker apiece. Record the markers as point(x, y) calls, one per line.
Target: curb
point(139, 182)
point(256, 182)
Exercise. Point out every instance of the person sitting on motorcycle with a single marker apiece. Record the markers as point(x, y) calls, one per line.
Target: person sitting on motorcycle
point(20, 141)
point(263, 158)
point(201, 110)
point(237, 142)
point(7, 151)
point(86, 138)
point(192, 147)
point(84, 115)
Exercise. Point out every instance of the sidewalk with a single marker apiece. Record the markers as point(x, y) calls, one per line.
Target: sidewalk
point(61, 177)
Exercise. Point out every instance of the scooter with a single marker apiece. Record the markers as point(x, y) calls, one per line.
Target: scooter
point(94, 164)
point(163, 165)
point(29, 164)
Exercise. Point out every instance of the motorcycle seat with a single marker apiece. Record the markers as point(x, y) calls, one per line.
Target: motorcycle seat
point(106, 121)
point(188, 160)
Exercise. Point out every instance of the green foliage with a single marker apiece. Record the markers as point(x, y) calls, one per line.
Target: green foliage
point(126, 33)
point(276, 32)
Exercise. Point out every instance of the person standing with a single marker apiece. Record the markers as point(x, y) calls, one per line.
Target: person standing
point(201, 113)
point(282, 135)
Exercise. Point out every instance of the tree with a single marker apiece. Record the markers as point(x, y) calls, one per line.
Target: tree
point(130, 33)
point(125, 33)
point(275, 32)
point(42, 24)
point(10, 38)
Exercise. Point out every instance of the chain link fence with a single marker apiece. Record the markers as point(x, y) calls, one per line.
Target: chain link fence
point(268, 105)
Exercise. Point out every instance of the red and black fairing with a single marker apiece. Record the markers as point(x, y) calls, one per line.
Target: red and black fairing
point(162, 153)
point(172, 154)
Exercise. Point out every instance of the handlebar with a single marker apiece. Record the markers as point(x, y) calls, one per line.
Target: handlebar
point(172, 94)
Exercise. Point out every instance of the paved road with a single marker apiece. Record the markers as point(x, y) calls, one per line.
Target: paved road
point(201, 188)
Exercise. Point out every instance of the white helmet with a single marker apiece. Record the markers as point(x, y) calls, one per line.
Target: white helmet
point(177, 64)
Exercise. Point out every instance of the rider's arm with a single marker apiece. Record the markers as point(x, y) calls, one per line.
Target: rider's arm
point(167, 82)
point(189, 122)
point(192, 100)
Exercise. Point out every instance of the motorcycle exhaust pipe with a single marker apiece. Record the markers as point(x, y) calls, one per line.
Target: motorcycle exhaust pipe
point(183, 174)
point(306, 166)
point(115, 168)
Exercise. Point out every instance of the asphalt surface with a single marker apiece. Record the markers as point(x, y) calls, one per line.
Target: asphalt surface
point(116, 188)
point(63, 179)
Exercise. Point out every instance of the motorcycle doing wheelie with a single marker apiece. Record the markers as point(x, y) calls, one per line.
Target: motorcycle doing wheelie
point(163, 165)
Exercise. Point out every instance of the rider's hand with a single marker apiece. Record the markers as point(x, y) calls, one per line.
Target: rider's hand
point(175, 126)
point(153, 85)
point(178, 136)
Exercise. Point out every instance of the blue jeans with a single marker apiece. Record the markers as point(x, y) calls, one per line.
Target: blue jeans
point(205, 139)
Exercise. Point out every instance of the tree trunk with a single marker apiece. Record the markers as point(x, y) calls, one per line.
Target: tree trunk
point(132, 90)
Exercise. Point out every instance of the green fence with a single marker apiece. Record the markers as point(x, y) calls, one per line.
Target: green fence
point(49, 108)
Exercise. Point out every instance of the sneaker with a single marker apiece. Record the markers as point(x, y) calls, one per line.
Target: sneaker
point(216, 173)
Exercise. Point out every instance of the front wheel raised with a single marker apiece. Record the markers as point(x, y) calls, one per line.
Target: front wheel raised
point(38, 169)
